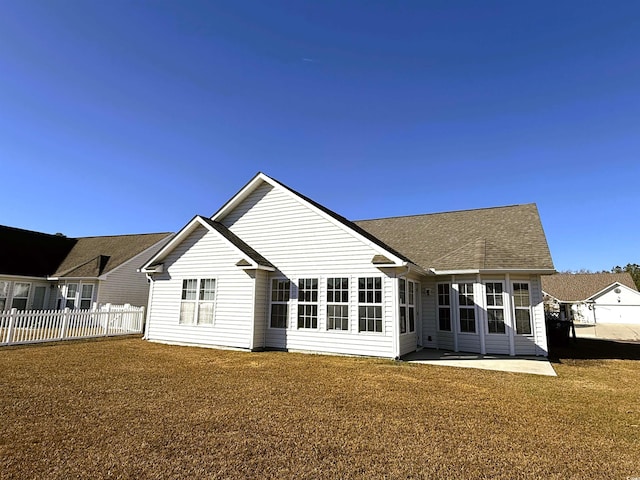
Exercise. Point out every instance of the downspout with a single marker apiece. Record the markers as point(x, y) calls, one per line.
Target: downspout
point(148, 313)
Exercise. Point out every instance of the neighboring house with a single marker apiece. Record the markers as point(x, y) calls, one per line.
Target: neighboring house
point(274, 269)
point(593, 297)
point(42, 271)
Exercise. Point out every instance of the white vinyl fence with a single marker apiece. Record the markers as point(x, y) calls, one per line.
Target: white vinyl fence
point(20, 327)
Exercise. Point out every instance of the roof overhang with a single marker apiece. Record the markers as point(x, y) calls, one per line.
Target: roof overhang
point(494, 271)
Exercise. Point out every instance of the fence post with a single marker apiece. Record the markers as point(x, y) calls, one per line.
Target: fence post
point(108, 319)
point(65, 320)
point(141, 320)
point(11, 322)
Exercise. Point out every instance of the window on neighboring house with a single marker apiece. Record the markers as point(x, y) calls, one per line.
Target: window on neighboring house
point(71, 291)
point(20, 295)
point(522, 307)
point(198, 301)
point(86, 297)
point(467, 308)
point(337, 303)
point(308, 303)
point(370, 304)
point(402, 299)
point(444, 307)
point(411, 305)
point(495, 307)
point(4, 294)
point(280, 294)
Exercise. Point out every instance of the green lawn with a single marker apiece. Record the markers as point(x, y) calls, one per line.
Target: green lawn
point(125, 408)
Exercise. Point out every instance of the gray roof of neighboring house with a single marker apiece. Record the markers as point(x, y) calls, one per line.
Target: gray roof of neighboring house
point(238, 242)
point(506, 238)
point(31, 254)
point(91, 257)
point(576, 287)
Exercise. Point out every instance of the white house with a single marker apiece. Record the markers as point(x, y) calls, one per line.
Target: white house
point(593, 297)
point(41, 271)
point(272, 269)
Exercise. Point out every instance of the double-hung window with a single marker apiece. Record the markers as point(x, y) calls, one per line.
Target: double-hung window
point(198, 301)
point(522, 308)
point(495, 307)
point(308, 303)
point(370, 304)
point(86, 296)
point(280, 294)
point(444, 307)
point(20, 295)
point(411, 305)
point(467, 308)
point(338, 303)
point(406, 299)
point(402, 299)
point(71, 291)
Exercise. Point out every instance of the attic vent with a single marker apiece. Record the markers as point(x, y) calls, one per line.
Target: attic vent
point(618, 290)
point(380, 260)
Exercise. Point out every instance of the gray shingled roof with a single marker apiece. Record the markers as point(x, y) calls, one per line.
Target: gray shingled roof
point(576, 287)
point(32, 254)
point(238, 242)
point(489, 238)
point(91, 257)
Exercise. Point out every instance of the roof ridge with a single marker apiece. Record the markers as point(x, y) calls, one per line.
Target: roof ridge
point(125, 235)
point(447, 212)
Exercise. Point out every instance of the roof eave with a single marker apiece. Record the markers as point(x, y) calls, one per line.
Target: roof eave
point(489, 271)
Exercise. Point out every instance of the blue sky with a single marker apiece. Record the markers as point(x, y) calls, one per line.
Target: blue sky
point(132, 116)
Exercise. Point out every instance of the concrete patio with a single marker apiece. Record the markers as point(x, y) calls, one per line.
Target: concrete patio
point(503, 363)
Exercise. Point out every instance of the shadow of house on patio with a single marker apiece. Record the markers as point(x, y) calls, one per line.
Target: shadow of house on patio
point(595, 349)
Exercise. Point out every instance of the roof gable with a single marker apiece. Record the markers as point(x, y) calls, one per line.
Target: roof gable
point(352, 228)
point(251, 258)
point(578, 287)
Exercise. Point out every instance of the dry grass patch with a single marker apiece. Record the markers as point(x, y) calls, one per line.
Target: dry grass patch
point(128, 408)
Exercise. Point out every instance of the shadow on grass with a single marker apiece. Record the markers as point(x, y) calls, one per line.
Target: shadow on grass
point(594, 349)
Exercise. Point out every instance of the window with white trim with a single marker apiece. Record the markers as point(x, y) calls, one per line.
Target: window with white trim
point(370, 304)
point(20, 295)
point(466, 308)
point(4, 294)
point(338, 303)
point(402, 299)
point(406, 299)
point(198, 301)
point(522, 308)
point(308, 303)
point(411, 305)
point(86, 296)
point(280, 294)
point(495, 307)
point(71, 290)
point(444, 307)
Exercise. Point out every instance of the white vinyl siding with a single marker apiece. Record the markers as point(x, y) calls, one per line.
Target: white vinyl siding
point(203, 254)
point(302, 243)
